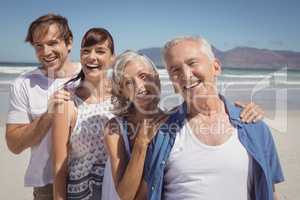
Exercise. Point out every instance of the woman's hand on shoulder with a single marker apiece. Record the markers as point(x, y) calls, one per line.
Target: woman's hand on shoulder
point(251, 112)
point(57, 100)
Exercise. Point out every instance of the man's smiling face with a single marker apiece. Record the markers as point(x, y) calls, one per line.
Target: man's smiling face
point(192, 72)
point(50, 48)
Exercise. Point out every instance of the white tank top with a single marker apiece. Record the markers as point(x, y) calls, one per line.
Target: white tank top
point(197, 171)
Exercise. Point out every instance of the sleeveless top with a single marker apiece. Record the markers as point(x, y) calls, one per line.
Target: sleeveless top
point(87, 157)
point(196, 170)
point(109, 190)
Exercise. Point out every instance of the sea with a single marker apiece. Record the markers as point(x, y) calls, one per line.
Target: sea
point(270, 89)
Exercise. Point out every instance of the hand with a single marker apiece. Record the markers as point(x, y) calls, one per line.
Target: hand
point(148, 128)
point(251, 112)
point(58, 97)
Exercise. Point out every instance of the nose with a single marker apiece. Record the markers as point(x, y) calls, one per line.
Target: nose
point(92, 56)
point(139, 84)
point(187, 73)
point(45, 50)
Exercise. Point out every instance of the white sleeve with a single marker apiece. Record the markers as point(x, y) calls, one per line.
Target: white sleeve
point(18, 112)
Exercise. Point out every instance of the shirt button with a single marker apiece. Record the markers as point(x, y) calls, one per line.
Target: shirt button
point(152, 188)
point(163, 162)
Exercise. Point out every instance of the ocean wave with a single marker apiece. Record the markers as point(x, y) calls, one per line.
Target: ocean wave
point(15, 70)
point(246, 76)
point(248, 82)
point(6, 82)
point(220, 83)
point(265, 82)
point(265, 78)
point(164, 74)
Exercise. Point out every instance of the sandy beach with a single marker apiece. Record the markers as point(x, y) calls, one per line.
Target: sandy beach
point(12, 173)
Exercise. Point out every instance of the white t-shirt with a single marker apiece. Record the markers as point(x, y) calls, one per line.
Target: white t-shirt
point(196, 171)
point(28, 99)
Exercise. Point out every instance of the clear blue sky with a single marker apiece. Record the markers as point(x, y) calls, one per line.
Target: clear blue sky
point(137, 24)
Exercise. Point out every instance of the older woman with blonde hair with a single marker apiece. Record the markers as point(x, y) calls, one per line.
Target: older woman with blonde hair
point(136, 92)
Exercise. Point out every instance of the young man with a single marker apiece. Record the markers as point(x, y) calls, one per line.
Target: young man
point(212, 154)
point(33, 95)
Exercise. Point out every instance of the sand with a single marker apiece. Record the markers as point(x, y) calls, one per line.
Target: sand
point(12, 173)
point(288, 146)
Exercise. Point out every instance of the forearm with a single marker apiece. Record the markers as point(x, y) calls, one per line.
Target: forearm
point(21, 137)
point(60, 147)
point(275, 194)
point(142, 192)
point(59, 186)
point(131, 180)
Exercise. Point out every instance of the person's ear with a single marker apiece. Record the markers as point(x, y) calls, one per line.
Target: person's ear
point(112, 58)
point(217, 67)
point(69, 45)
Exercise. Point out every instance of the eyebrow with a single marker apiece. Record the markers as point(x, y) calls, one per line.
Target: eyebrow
point(142, 71)
point(138, 74)
point(52, 40)
point(105, 48)
point(191, 60)
point(172, 67)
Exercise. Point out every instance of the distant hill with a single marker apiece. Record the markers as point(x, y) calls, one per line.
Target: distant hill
point(244, 57)
point(153, 53)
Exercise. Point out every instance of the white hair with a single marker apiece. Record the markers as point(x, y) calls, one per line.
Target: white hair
point(123, 59)
point(205, 45)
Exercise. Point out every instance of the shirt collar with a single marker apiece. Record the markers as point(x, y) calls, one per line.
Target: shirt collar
point(232, 111)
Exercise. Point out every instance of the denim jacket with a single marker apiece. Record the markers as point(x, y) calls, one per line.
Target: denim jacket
point(256, 138)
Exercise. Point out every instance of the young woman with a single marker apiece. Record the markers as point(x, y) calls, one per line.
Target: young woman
point(79, 156)
point(136, 92)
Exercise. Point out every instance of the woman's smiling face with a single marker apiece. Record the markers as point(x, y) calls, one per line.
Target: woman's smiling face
point(140, 84)
point(95, 60)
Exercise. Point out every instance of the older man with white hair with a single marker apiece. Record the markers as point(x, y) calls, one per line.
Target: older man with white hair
point(213, 155)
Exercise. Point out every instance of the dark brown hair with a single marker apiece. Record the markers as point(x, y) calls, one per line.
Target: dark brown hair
point(42, 24)
point(98, 36)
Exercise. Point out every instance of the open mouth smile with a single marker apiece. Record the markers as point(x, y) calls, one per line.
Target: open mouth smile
point(50, 60)
point(194, 84)
point(93, 66)
point(142, 94)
